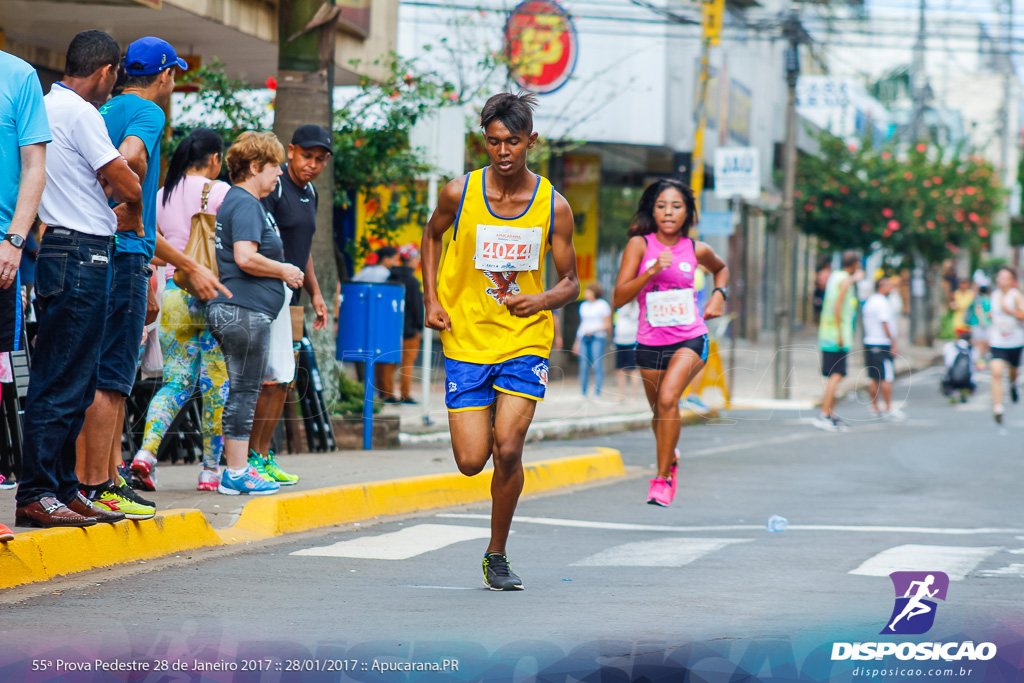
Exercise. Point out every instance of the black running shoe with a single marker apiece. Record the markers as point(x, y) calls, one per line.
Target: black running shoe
point(126, 491)
point(1014, 396)
point(498, 575)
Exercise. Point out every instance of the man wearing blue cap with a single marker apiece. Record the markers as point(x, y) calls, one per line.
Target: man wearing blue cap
point(135, 122)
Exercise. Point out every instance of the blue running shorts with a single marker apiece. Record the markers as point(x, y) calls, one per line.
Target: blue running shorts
point(472, 386)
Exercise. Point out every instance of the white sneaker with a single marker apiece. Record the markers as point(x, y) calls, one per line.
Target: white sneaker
point(144, 468)
point(894, 415)
point(209, 480)
point(825, 423)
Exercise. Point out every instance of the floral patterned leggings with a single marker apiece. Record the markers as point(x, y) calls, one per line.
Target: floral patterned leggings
point(191, 355)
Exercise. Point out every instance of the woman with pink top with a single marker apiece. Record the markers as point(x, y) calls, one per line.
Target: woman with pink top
point(658, 270)
point(191, 354)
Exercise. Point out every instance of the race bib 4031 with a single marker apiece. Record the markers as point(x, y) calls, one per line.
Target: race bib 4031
point(671, 308)
point(503, 249)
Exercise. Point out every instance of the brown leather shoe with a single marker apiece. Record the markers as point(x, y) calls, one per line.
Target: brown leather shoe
point(84, 507)
point(49, 512)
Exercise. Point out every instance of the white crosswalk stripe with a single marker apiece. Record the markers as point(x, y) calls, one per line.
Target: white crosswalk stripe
point(1015, 570)
point(956, 561)
point(399, 545)
point(662, 552)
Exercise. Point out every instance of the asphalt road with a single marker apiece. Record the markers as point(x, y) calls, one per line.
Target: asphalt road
point(611, 583)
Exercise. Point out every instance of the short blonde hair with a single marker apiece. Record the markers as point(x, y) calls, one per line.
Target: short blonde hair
point(250, 147)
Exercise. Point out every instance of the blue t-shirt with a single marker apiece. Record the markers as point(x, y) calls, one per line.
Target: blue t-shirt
point(22, 122)
point(131, 115)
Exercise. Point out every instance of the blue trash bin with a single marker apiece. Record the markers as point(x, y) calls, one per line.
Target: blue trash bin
point(370, 325)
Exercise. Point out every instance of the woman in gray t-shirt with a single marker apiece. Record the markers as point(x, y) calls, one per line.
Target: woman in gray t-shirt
point(250, 257)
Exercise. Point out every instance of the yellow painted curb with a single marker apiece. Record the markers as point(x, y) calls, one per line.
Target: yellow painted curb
point(303, 510)
point(46, 553)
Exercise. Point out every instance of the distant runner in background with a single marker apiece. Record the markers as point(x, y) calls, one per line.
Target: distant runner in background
point(835, 335)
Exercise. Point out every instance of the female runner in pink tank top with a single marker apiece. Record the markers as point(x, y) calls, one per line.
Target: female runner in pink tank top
point(657, 270)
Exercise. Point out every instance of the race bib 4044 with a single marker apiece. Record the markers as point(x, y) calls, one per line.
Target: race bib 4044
point(671, 308)
point(504, 249)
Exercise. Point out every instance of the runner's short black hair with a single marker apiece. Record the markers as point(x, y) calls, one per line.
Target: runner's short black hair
point(513, 110)
point(850, 258)
point(89, 52)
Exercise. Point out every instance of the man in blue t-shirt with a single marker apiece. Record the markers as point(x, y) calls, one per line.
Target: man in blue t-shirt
point(135, 121)
point(24, 132)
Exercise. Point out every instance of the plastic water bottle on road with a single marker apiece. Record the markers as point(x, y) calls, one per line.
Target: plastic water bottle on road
point(777, 524)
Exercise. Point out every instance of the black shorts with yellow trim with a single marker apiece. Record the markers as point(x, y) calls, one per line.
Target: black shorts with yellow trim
point(474, 386)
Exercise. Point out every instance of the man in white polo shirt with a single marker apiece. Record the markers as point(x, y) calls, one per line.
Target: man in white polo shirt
point(83, 170)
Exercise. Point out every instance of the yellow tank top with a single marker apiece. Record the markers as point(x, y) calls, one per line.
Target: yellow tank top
point(483, 330)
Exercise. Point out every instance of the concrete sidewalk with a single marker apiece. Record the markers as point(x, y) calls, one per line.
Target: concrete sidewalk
point(752, 376)
point(335, 488)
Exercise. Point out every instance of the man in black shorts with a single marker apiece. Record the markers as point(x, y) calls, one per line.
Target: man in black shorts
point(879, 348)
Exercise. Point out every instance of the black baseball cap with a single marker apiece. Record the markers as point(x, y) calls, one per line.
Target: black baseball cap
point(312, 135)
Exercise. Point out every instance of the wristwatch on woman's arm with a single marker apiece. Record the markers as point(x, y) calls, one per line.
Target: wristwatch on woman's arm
point(724, 291)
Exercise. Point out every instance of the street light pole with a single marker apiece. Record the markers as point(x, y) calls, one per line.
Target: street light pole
point(919, 333)
point(784, 299)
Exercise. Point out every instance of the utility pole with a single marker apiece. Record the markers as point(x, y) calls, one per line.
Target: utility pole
point(713, 12)
point(1001, 239)
point(919, 333)
point(784, 302)
point(305, 83)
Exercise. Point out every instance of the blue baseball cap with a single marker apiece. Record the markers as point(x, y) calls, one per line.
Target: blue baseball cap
point(149, 55)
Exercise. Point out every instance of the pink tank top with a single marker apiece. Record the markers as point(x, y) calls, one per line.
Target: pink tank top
point(678, 276)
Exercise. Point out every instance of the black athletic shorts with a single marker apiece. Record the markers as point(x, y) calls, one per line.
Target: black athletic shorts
point(878, 363)
point(625, 356)
point(1011, 356)
point(658, 357)
point(833, 363)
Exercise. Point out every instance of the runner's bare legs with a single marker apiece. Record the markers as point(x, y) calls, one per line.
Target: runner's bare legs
point(663, 389)
point(475, 440)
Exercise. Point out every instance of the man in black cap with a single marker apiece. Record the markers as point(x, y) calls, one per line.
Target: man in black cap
point(293, 203)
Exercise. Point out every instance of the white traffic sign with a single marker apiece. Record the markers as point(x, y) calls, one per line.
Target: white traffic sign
point(737, 173)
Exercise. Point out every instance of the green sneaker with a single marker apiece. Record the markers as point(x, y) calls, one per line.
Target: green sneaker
point(257, 462)
point(112, 499)
point(279, 475)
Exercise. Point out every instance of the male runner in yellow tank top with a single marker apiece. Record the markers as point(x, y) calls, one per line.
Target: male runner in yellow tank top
point(492, 310)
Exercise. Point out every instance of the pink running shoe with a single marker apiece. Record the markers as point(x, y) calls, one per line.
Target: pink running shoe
point(660, 493)
point(5, 534)
point(208, 480)
point(673, 481)
point(144, 469)
point(6, 484)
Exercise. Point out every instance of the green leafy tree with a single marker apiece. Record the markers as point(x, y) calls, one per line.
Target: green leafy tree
point(926, 200)
point(372, 148)
point(221, 102)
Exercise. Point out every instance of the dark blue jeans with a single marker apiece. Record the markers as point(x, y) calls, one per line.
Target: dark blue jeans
point(126, 317)
point(72, 281)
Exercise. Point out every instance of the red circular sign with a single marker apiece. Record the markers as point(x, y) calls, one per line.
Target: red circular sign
point(541, 45)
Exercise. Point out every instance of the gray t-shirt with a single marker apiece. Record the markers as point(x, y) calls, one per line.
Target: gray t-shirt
point(241, 218)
